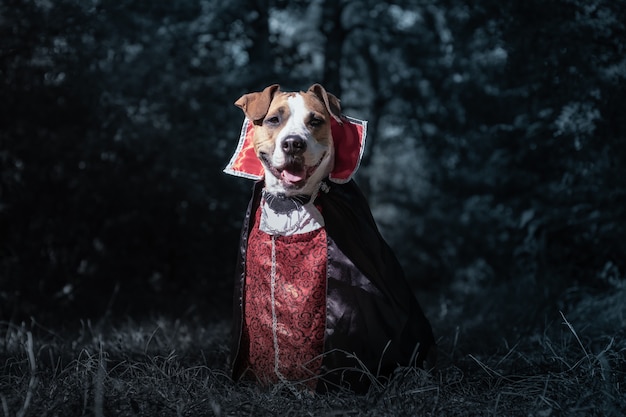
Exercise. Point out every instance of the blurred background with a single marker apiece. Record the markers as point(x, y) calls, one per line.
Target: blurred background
point(494, 162)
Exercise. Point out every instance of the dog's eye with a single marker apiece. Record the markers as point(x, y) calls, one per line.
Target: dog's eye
point(315, 122)
point(272, 121)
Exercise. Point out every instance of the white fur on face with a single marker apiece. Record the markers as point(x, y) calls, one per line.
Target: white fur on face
point(316, 153)
point(296, 125)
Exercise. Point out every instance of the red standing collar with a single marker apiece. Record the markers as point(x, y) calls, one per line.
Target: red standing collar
point(348, 139)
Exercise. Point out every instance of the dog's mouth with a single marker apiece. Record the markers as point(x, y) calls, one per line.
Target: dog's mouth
point(293, 173)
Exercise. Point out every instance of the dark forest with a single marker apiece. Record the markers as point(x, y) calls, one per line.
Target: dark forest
point(493, 166)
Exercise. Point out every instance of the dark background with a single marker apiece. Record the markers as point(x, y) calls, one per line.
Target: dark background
point(494, 163)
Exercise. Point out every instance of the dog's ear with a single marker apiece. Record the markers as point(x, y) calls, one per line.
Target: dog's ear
point(255, 105)
point(332, 103)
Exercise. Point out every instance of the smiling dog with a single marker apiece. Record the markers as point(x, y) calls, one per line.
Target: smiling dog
point(320, 299)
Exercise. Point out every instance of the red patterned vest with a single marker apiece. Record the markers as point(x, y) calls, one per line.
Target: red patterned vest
point(284, 306)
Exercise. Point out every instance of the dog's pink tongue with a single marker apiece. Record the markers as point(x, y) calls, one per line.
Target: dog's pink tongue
point(293, 176)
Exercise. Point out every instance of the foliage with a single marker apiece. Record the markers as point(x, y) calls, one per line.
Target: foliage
point(176, 367)
point(112, 167)
point(493, 166)
point(495, 143)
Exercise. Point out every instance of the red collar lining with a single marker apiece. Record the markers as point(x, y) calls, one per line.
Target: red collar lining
point(349, 141)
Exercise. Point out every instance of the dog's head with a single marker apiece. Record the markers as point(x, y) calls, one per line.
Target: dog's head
point(292, 136)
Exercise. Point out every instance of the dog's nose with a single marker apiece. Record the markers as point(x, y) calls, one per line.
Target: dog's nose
point(293, 145)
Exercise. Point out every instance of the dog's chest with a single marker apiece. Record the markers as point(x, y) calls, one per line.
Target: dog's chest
point(285, 304)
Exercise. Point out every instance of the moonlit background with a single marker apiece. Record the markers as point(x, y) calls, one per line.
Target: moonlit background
point(493, 166)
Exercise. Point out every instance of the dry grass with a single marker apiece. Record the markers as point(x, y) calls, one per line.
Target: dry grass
point(166, 367)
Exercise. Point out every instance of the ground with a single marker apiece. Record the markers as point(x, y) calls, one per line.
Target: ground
point(162, 366)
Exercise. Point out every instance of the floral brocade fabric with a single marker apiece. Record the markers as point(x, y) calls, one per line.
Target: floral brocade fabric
point(283, 335)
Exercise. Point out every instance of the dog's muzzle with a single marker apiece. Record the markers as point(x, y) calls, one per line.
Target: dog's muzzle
point(293, 173)
point(293, 145)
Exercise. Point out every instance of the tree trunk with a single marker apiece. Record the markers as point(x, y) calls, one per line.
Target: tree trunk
point(261, 59)
point(334, 34)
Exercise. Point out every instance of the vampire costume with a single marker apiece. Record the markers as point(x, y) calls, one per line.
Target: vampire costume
point(337, 288)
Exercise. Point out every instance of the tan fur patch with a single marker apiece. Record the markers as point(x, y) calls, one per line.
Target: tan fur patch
point(265, 136)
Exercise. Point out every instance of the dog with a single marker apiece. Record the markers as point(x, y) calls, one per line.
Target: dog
point(320, 299)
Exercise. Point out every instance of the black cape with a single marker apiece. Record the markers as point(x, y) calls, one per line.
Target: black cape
point(373, 321)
